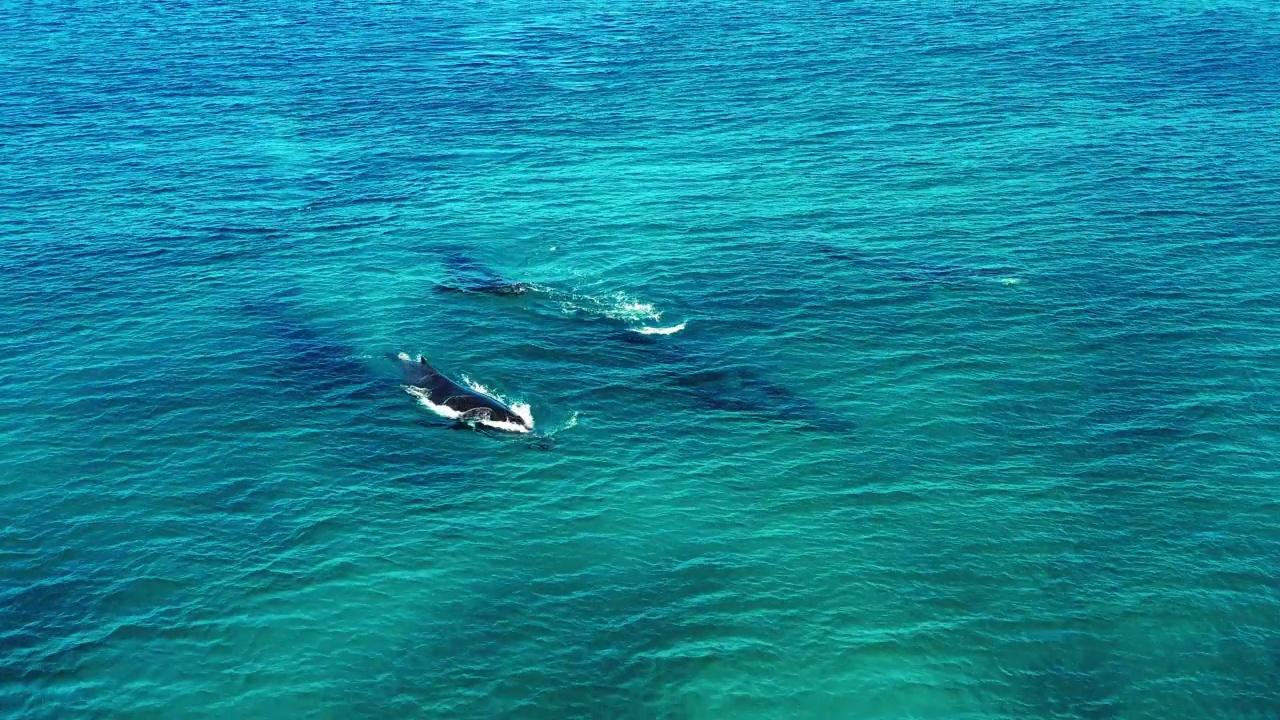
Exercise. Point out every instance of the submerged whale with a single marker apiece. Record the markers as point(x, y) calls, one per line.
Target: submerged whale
point(471, 276)
point(493, 288)
point(459, 402)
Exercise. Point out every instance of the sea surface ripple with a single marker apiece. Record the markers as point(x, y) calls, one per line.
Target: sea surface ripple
point(973, 412)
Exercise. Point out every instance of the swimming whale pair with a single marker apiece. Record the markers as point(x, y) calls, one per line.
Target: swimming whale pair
point(455, 401)
point(704, 376)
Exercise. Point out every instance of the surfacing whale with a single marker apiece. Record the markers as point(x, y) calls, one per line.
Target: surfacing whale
point(458, 402)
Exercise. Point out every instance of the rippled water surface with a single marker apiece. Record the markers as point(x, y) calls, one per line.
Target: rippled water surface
point(973, 413)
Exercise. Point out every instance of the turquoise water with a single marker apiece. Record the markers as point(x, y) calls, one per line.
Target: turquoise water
point(973, 414)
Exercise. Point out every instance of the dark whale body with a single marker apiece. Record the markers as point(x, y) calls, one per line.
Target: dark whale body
point(471, 276)
point(470, 405)
point(512, 288)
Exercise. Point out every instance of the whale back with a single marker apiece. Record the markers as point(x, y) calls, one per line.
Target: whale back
point(441, 390)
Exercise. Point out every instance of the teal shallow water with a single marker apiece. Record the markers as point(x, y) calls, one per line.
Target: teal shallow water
point(974, 414)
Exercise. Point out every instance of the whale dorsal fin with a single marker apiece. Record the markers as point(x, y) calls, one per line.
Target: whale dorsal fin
point(426, 366)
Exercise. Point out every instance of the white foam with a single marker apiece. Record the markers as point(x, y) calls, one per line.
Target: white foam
point(1010, 281)
point(646, 330)
point(506, 426)
point(637, 309)
point(633, 313)
point(618, 306)
point(522, 410)
point(443, 411)
point(571, 422)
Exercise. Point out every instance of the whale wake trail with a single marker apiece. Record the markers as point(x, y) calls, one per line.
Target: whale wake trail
point(637, 315)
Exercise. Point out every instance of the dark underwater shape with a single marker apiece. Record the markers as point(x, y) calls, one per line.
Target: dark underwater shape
point(307, 358)
point(622, 619)
point(513, 288)
point(471, 275)
point(717, 383)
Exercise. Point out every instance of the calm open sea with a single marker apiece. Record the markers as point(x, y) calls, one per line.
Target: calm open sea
point(887, 359)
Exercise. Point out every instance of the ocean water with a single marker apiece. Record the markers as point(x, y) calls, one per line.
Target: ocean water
point(973, 413)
